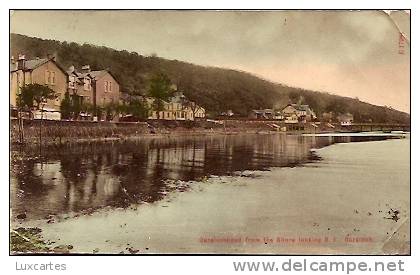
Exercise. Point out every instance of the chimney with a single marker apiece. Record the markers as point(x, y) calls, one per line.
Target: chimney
point(51, 57)
point(86, 68)
point(71, 69)
point(21, 62)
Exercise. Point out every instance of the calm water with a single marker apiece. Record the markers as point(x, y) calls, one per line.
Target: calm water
point(73, 178)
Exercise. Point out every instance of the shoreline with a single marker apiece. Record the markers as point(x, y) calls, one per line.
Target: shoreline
point(176, 134)
point(72, 132)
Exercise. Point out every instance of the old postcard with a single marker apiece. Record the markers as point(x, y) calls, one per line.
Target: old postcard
point(280, 132)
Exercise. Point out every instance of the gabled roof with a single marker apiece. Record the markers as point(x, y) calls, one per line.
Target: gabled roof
point(82, 75)
point(35, 63)
point(74, 73)
point(300, 107)
point(32, 64)
point(178, 98)
point(96, 74)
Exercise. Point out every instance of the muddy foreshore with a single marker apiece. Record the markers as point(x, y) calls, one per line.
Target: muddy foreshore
point(330, 198)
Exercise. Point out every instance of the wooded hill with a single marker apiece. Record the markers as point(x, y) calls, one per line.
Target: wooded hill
point(215, 89)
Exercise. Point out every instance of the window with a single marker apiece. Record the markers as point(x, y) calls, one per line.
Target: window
point(106, 86)
point(71, 81)
point(49, 77)
point(110, 86)
point(86, 83)
point(57, 100)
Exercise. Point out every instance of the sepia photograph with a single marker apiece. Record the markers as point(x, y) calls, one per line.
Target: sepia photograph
point(209, 132)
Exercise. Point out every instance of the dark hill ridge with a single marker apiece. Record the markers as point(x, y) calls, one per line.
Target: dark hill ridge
point(214, 88)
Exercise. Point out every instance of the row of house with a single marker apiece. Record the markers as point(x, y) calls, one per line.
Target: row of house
point(292, 113)
point(178, 107)
point(295, 113)
point(96, 87)
point(100, 87)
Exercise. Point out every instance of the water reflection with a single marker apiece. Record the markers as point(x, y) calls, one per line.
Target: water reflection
point(78, 177)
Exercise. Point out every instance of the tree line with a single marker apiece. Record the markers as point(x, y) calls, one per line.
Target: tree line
point(216, 89)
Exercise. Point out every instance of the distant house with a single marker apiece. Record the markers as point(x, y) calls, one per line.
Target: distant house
point(303, 113)
point(177, 107)
point(265, 114)
point(345, 119)
point(44, 71)
point(262, 114)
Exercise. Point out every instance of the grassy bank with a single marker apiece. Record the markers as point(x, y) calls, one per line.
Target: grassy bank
point(29, 240)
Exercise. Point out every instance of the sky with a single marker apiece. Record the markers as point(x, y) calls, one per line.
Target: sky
point(348, 53)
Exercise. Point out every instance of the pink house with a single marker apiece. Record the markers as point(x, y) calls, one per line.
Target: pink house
point(98, 88)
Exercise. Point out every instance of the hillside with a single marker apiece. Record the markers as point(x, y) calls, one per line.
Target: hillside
point(214, 88)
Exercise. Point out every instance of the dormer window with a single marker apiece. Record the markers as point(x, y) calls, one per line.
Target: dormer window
point(72, 80)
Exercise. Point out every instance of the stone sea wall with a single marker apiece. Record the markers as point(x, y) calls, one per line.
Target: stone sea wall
point(50, 131)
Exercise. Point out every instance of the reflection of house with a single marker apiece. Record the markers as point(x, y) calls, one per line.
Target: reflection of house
point(345, 119)
point(98, 88)
point(177, 107)
point(265, 114)
point(43, 71)
point(303, 113)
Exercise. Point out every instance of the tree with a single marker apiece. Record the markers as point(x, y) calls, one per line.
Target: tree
point(187, 104)
point(76, 106)
point(111, 110)
point(138, 109)
point(66, 107)
point(32, 95)
point(71, 106)
point(87, 108)
point(160, 90)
